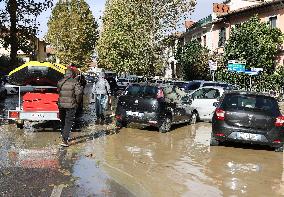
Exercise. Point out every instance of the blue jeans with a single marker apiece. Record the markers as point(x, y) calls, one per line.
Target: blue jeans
point(101, 105)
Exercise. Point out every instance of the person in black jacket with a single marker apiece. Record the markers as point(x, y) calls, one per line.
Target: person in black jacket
point(70, 95)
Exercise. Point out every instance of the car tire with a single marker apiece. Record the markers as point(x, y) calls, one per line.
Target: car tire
point(214, 141)
point(20, 125)
point(194, 118)
point(279, 149)
point(166, 125)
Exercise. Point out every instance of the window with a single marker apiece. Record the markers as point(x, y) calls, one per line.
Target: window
point(253, 102)
point(272, 21)
point(199, 39)
point(206, 93)
point(204, 40)
point(222, 37)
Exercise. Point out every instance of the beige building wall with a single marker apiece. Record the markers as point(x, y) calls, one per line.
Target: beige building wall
point(264, 15)
point(4, 51)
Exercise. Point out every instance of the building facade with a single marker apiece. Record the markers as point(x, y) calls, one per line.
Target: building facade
point(38, 49)
point(214, 30)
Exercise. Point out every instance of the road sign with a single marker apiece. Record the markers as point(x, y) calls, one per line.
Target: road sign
point(251, 72)
point(236, 65)
point(257, 69)
point(212, 65)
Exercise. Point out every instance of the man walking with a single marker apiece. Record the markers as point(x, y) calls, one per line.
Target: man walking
point(101, 90)
point(70, 92)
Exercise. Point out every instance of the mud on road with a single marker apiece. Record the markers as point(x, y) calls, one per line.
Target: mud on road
point(134, 162)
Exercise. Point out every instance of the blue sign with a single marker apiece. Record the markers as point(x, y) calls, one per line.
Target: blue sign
point(251, 72)
point(237, 66)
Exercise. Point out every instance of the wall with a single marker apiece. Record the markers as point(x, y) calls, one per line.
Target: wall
point(242, 17)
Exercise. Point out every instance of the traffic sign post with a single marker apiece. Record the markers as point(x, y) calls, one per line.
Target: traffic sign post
point(213, 67)
point(236, 65)
point(251, 73)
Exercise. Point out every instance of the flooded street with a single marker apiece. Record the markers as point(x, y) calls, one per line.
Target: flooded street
point(133, 162)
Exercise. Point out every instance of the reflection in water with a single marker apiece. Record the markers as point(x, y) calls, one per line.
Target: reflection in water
point(149, 163)
point(181, 163)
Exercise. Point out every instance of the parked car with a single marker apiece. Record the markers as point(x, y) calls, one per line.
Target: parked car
point(146, 104)
point(122, 83)
point(248, 117)
point(90, 78)
point(9, 90)
point(3, 91)
point(202, 102)
point(113, 85)
point(190, 86)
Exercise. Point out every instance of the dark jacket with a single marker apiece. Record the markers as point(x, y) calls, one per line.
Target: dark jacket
point(70, 93)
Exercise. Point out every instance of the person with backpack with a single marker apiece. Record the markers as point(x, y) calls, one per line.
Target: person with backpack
point(70, 95)
point(101, 90)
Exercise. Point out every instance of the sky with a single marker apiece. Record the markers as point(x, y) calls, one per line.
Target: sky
point(202, 9)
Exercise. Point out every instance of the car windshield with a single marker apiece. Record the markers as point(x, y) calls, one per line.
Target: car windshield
point(258, 102)
point(193, 85)
point(137, 90)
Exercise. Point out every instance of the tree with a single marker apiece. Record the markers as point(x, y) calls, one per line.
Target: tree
point(256, 42)
point(20, 17)
point(133, 31)
point(72, 31)
point(193, 58)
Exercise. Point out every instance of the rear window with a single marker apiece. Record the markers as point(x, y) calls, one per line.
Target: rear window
point(258, 102)
point(137, 90)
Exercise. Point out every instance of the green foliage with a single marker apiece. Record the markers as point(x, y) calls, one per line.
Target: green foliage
point(72, 31)
point(20, 17)
point(132, 31)
point(260, 83)
point(193, 58)
point(256, 42)
point(5, 67)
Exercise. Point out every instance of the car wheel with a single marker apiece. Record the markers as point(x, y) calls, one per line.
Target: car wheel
point(166, 125)
point(279, 149)
point(20, 125)
point(194, 118)
point(213, 141)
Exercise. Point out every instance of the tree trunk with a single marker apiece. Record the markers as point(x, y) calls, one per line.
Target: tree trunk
point(12, 9)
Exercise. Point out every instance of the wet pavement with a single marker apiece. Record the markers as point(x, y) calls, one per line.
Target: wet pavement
point(134, 162)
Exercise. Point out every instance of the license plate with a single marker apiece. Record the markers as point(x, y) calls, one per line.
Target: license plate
point(249, 136)
point(130, 113)
point(38, 116)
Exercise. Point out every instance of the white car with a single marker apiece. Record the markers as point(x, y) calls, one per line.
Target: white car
point(202, 102)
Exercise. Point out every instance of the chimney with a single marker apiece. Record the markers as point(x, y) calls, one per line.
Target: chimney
point(220, 8)
point(188, 24)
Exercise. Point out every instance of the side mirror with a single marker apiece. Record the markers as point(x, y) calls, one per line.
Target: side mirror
point(188, 101)
point(215, 104)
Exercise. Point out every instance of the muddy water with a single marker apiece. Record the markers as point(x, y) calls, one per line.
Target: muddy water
point(143, 162)
point(181, 163)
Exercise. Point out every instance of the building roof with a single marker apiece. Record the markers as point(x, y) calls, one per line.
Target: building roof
point(252, 7)
point(201, 23)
